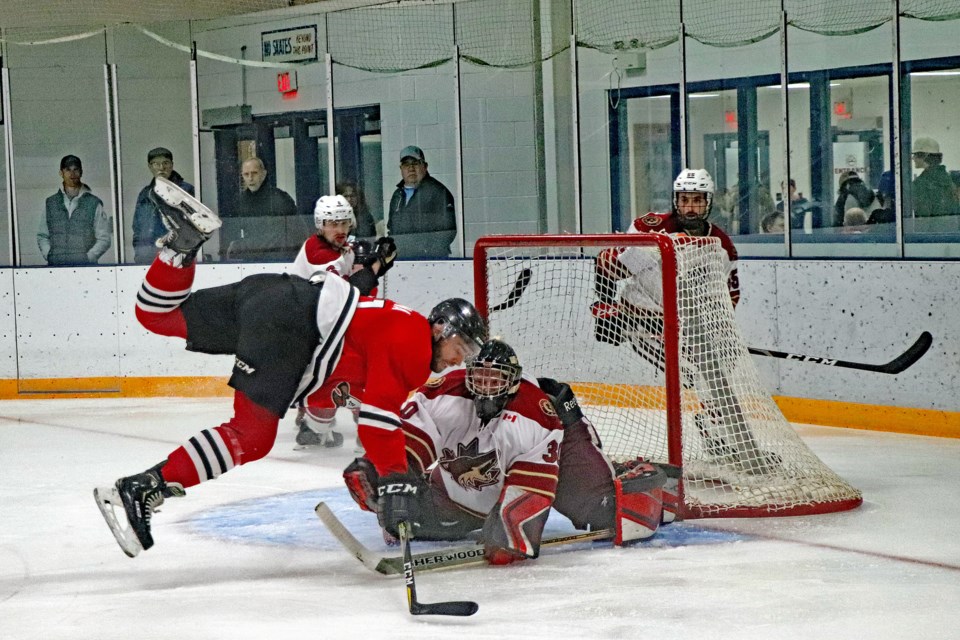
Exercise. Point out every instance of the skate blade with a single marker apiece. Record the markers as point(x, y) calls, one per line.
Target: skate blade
point(108, 500)
point(199, 214)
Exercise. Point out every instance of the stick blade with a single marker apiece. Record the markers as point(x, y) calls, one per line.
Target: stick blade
point(911, 355)
point(453, 608)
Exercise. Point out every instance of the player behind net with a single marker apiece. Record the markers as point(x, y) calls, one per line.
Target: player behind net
point(635, 316)
point(288, 335)
point(484, 452)
point(333, 249)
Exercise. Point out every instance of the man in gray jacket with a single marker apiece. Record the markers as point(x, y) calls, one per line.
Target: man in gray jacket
point(74, 229)
point(422, 218)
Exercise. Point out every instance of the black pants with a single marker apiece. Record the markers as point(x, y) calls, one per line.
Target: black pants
point(269, 322)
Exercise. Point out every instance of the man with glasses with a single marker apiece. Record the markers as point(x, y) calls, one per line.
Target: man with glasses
point(421, 211)
point(147, 224)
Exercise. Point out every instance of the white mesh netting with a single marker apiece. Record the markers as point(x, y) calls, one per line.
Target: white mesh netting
point(740, 455)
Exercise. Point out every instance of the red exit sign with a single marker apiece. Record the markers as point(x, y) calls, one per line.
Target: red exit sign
point(287, 82)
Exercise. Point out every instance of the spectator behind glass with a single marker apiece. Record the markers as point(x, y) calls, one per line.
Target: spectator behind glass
point(854, 220)
point(799, 207)
point(74, 228)
point(853, 192)
point(933, 191)
point(886, 196)
point(366, 226)
point(422, 218)
point(147, 225)
point(772, 223)
point(265, 224)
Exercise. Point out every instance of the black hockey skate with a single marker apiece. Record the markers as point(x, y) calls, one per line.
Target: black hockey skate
point(140, 496)
point(307, 437)
point(190, 223)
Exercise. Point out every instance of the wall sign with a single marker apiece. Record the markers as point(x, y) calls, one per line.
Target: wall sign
point(289, 45)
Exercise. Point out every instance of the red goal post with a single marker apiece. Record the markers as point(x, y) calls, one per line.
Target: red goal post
point(672, 381)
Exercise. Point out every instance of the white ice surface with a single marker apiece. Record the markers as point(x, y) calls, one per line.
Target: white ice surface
point(245, 557)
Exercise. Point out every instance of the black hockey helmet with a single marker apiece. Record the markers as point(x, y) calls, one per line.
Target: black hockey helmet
point(363, 253)
point(493, 377)
point(459, 317)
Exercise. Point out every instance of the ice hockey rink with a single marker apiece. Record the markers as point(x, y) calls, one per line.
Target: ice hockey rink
point(245, 556)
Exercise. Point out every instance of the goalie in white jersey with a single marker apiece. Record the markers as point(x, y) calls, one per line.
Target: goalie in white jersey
point(484, 452)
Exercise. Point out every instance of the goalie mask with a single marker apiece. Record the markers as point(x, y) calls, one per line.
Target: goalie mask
point(493, 377)
point(692, 209)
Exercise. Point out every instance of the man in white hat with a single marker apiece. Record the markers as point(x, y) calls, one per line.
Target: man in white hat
point(933, 193)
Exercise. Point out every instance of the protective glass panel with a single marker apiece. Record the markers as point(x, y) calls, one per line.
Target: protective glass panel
point(931, 186)
point(153, 97)
point(58, 109)
point(735, 125)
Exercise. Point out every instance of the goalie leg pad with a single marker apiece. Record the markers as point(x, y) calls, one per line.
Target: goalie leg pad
point(639, 497)
point(671, 492)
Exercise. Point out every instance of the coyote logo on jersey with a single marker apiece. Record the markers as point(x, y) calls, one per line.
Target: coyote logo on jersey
point(470, 468)
point(341, 397)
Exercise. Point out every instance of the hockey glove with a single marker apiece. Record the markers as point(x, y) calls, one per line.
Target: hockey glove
point(397, 501)
point(386, 252)
point(362, 479)
point(561, 395)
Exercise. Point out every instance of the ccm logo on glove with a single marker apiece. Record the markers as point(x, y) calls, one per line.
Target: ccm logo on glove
point(397, 488)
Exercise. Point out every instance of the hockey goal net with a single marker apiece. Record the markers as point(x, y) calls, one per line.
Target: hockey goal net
point(676, 385)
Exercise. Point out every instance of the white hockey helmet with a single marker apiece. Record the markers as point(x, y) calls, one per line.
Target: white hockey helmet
point(332, 209)
point(695, 181)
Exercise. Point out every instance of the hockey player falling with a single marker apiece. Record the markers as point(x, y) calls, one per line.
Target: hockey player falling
point(636, 316)
point(333, 249)
point(484, 450)
point(288, 335)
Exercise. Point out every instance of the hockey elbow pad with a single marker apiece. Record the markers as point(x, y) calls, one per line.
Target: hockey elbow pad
point(514, 527)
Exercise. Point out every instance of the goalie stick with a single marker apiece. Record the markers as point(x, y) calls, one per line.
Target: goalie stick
point(518, 288)
point(895, 366)
point(448, 558)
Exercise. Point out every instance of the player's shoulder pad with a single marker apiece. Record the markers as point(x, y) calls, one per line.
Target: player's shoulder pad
point(450, 384)
point(532, 403)
point(649, 220)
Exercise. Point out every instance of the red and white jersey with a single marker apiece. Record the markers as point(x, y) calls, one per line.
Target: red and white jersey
point(644, 289)
point(387, 352)
point(317, 254)
point(519, 448)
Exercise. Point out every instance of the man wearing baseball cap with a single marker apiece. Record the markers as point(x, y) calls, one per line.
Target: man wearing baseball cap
point(421, 212)
point(933, 193)
point(74, 229)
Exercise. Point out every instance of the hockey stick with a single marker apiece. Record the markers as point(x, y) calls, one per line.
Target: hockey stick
point(895, 366)
point(467, 555)
point(518, 288)
point(449, 608)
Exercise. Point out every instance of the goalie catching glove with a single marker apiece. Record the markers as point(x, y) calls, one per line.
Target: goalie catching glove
point(514, 527)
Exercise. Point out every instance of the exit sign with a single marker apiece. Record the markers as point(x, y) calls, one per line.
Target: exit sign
point(287, 82)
